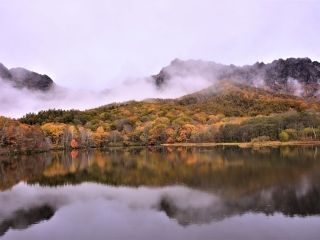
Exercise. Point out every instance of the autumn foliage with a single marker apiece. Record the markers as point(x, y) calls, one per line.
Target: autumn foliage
point(18, 137)
point(236, 114)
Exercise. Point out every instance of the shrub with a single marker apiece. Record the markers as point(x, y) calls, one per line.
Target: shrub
point(284, 136)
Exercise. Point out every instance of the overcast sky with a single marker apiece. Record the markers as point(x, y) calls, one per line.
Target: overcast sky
point(94, 44)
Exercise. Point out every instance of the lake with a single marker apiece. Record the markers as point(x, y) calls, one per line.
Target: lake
point(162, 193)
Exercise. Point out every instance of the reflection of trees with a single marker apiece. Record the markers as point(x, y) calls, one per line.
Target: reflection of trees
point(267, 180)
point(232, 171)
point(21, 168)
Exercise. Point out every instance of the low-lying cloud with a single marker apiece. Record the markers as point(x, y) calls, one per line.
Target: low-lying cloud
point(16, 102)
point(177, 79)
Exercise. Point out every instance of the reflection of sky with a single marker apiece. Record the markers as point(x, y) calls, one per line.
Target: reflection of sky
point(101, 219)
point(93, 211)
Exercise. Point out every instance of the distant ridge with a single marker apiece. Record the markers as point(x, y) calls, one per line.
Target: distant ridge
point(294, 76)
point(23, 78)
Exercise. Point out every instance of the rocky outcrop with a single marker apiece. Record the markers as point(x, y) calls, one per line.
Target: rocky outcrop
point(4, 72)
point(295, 76)
point(23, 78)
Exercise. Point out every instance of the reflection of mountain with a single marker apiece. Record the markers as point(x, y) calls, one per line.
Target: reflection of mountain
point(186, 205)
point(300, 199)
point(23, 218)
point(268, 180)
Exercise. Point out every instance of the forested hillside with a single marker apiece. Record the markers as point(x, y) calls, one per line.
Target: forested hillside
point(223, 113)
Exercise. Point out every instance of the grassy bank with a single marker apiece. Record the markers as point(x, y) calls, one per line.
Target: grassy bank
point(246, 144)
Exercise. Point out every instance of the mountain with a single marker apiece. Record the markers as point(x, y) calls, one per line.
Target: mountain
point(22, 78)
point(294, 76)
point(225, 112)
point(241, 104)
point(236, 99)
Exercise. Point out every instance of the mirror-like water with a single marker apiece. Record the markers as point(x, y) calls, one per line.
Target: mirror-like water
point(162, 193)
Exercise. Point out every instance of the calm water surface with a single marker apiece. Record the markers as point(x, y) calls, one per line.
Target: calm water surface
point(162, 193)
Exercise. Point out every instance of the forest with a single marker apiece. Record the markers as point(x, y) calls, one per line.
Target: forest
point(237, 114)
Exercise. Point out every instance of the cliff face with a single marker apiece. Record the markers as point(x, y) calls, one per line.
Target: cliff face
point(4, 72)
point(294, 76)
point(23, 78)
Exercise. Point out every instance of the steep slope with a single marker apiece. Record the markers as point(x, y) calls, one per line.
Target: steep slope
point(23, 78)
point(4, 72)
point(294, 76)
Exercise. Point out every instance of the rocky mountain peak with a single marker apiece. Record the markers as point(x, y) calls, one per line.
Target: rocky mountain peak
point(295, 76)
point(23, 78)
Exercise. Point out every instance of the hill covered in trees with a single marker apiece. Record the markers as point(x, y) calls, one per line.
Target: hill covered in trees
point(226, 112)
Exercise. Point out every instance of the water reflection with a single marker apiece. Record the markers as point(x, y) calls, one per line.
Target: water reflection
point(186, 189)
point(23, 218)
point(242, 170)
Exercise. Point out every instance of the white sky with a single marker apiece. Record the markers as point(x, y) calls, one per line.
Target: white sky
point(94, 44)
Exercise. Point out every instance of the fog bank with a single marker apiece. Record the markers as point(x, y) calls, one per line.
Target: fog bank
point(16, 102)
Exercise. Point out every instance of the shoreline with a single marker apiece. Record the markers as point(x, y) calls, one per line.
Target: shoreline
point(245, 144)
point(208, 144)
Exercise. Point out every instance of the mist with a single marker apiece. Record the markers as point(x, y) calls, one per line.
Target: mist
point(93, 45)
point(179, 78)
point(104, 52)
point(186, 77)
point(16, 102)
point(295, 88)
